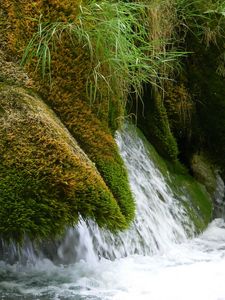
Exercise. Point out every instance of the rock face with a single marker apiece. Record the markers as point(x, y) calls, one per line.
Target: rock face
point(46, 180)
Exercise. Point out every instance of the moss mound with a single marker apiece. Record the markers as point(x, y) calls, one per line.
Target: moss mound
point(180, 109)
point(101, 148)
point(90, 125)
point(46, 180)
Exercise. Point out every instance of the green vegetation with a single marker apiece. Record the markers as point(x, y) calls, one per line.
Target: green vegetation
point(194, 198)
point(134, 44)
point(116, 36)
point(156, 127)
point(57, 182)
point(94, 62)
point(50, 181)
point(209, 98)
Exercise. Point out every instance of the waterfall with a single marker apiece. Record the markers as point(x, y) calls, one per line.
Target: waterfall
point(160, 219)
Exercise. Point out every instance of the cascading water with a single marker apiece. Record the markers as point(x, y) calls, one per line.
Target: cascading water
point(160, 219)
point(154, 259)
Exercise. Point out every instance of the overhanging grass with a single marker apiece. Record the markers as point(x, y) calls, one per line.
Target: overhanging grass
point(117, 37)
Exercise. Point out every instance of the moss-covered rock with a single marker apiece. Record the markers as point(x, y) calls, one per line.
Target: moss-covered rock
point(101, 148)
point(194, 198)
point(91, 125)
point(46, 180)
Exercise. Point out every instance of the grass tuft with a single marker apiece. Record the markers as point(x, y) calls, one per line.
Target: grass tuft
point(116, 36)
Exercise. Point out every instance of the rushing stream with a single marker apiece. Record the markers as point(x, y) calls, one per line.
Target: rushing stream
point(157, 259)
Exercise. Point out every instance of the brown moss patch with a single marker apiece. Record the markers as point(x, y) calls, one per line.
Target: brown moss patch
point(46, 180)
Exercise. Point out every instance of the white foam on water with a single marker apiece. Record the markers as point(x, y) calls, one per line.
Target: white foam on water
point(191, 270)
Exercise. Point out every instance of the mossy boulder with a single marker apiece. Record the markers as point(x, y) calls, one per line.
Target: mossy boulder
point(46, 180)
point(66, 94)
point(97, 142)
point(90, 124)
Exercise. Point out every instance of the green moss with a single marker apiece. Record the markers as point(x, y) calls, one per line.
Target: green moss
point(195, 199)
point(46, 180)
point(101, 148)
point(10, 73)
point(91, 124)
point(156, 127)
point(180, 109)
point(30, 207)
point(115, 175)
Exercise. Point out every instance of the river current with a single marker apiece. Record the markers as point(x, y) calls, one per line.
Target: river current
point(158, 258)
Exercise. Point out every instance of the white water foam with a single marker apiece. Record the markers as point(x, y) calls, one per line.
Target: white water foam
point(192, 270)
